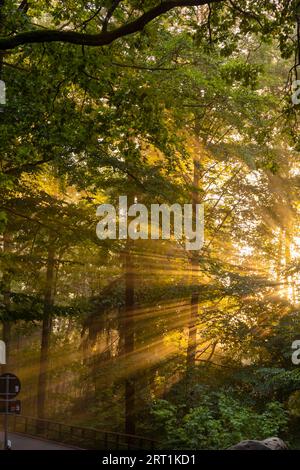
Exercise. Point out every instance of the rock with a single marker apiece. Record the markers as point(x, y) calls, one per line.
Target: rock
point(272, 443)
point(249, 445)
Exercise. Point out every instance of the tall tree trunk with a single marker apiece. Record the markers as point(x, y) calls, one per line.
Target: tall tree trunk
point(128, 331)
point(192, 327)
point(287, 249)
point(289, 282)
point(279, 256)
point(46, 332)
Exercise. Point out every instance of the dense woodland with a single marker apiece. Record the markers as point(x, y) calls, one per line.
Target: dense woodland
point(165, 102)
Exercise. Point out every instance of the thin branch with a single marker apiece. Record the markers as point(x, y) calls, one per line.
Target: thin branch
point(110, 13)
point(16, 67)
point(26, 167)
point(91, 17)
point(144, 67)
point(209, 24)
point(24, 6)
point(246, 13)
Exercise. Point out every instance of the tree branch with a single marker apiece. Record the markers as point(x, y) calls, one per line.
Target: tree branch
point(103, 38)
point(89, 19)
point(26, 167)
point(245, 13)
point(110, 12)
point(24, 6)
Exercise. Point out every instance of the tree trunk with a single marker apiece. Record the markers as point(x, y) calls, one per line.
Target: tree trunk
point(192, 327)
point(128, 331)
point(289, 281)
point(279, 257)
point(46, 333)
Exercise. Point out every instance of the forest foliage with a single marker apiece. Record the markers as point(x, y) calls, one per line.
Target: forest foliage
point(164, 102)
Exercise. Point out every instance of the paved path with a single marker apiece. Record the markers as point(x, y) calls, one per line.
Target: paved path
point(21, 442)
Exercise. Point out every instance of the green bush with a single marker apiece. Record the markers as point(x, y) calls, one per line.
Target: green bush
point(218, 422)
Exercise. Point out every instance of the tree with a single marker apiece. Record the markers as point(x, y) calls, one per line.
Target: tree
point(189, 110)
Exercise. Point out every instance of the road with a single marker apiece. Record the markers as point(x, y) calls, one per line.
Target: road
point(21, 442)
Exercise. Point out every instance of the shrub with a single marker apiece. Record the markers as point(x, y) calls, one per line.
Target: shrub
point(218, 422)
